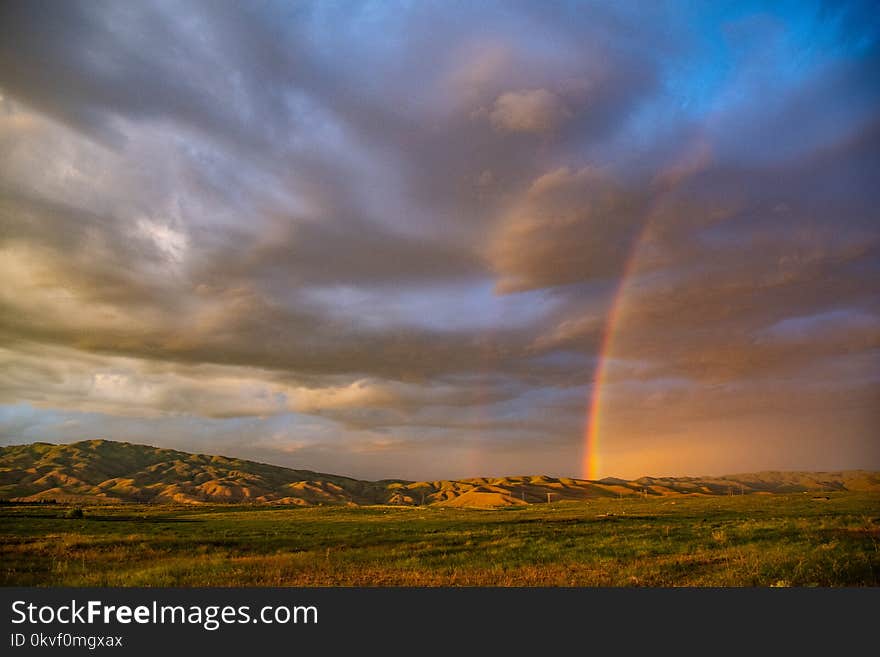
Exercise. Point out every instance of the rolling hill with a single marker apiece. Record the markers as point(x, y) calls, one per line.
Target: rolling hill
point(104, 471)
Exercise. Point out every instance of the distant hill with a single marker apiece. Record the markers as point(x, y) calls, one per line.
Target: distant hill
point(110, 472)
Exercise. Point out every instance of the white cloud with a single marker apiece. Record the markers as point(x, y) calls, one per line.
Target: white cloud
point(529, 111)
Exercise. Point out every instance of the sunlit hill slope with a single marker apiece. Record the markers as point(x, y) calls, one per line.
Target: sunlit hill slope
point(106, 471)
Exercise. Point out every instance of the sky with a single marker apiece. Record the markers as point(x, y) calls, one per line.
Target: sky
point(430, 240)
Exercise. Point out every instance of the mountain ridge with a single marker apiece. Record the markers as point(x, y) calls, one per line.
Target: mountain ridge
point(106, 471)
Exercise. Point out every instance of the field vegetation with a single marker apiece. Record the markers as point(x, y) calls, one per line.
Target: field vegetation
point(797, 539)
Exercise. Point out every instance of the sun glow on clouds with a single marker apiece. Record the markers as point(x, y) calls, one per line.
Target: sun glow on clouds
point(387, 242)
point(171, 243)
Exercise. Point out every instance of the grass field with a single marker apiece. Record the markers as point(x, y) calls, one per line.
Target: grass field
point(752, 540)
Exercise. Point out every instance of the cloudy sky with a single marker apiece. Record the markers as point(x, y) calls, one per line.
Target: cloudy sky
point(437, 240)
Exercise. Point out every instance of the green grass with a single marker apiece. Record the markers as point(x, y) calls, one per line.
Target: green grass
point(752, 540)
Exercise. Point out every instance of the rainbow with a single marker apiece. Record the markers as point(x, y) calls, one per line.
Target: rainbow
point(590, 465)
point(691, 162)
point(590, 460)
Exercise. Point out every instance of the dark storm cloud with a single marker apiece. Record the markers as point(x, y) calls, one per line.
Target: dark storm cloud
point(796, 240)
point(392, 221)
point(571, 226)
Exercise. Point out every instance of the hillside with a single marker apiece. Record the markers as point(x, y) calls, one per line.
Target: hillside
point(109, 472)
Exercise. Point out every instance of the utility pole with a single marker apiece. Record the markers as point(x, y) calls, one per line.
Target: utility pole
point(548, 497)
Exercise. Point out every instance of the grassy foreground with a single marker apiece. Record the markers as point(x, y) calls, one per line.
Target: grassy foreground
point(752, 540)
